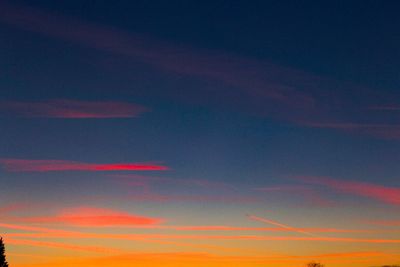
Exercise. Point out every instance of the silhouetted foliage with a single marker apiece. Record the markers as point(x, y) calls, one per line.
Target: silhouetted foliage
point(3, 262)
point(314, 264)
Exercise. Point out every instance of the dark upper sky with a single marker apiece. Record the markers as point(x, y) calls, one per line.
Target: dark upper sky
point(297, 98)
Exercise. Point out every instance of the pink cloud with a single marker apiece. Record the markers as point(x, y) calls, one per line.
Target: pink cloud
point(306, 192)
point(164, 198)
point(385, 194)
point(72, 109)
point(386, 222)
point(385, 131)
point(244, 84)
point(94, 217)
point(25, 165)
point(11, 208)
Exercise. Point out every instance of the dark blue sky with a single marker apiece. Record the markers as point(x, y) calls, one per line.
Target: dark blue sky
point(275, 105)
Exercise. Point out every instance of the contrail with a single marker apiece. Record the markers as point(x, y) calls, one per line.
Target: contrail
point(256, 218)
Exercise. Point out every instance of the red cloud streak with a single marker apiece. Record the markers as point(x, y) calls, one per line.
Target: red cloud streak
point(72, 109)
point(24, 165)
point(385, 194)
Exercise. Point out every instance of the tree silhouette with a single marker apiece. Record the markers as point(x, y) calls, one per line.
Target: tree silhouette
point(314, 264)
point(3, 262)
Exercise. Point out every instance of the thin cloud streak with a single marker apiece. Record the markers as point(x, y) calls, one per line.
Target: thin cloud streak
point(94, 217)
point(201, 228)
point(386, 222)
point(309, 194)
point(29, 165)
point(71, 109)
point(263, 88)
point(389, 195)
point(256, 218)
point(209, 259)
point(25, 242)
point(157, 237)
point(385, 131)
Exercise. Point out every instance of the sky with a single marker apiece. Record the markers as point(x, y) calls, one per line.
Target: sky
point(200, 133)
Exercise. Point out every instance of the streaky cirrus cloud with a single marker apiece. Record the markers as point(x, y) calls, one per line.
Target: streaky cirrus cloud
point(262, 87)
point(25, 242)
point(306, 192)
point(385, 131)
point(71, 109)
point(94, 217)
point(390, 195)
point(195, 259)
point(157, 237)
point(385, 222)
point(30, 165)
point(268, 221)
point(201, 228)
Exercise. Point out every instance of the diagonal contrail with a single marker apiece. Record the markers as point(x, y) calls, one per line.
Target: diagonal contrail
point(256, 218)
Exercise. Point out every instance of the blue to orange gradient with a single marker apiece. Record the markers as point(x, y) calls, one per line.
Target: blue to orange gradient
point(163, 133)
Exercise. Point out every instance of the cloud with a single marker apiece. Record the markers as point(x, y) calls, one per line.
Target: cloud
point(237, 83)
point(11, 208)
point(385, 131)
point(290, 228)
point(386, 222)
point(94, 217)
point(25, 242)
point(173, 259)
point(27, 165)
point(183, 228)
point(390, 195)
point(309, 194)
point(163, 198)
point(71, 109)
point(158, 237)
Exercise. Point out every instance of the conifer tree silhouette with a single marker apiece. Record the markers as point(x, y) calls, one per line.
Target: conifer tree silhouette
point(3, 262)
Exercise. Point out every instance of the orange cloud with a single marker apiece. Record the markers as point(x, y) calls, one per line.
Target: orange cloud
point(27, 165)
point(278, 224)
point(158, 237)
point(210, 260)
point(24, 242)
point(386, 223)
point(72, 109)
point(95, 217)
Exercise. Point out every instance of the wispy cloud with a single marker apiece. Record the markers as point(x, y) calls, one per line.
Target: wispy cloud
point(268, 221)
point(59, 245)
point(183, 228)
point(28, 165)
point(10, 208)
point(385, 131)
point(94, 217)
point(212, 259)
point(385, 222)
point(245, 84)
point(157, 237)
point(71, 109)
point(306, 192)
point(390, 195)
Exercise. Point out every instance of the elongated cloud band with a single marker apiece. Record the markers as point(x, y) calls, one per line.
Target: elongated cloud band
point(72, 109)
point(385, 194)
point(95, 217)
point(24, 165)
point(264, 88)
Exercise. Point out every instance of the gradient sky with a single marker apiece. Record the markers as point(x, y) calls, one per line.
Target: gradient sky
point(200, 133)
